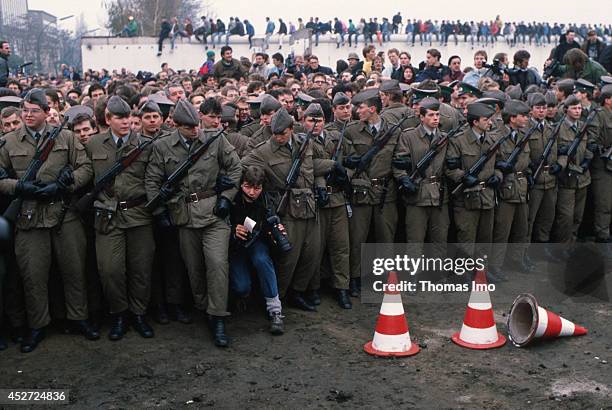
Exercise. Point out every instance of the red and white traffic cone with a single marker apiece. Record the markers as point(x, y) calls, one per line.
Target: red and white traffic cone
point(391, 336)
point(528, 321)
point(479, 330)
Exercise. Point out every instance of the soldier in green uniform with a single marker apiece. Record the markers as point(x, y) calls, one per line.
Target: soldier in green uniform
point(333, 211)
point(553, 115)
point(228, 121)
point(512, 213)
point(40, 234)
point(575, 177)
point(374, 189)
point(197, 206)
point(449, 117)
point(601, 168)
point(269, 106)
point(275, 156)
point(394, 110)
point(426, 198)
point(124, 233)
point(543, 193)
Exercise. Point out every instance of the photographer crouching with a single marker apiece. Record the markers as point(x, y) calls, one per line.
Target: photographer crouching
point(255, 230)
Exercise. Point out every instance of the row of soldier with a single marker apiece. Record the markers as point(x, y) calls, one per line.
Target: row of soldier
point(290, 194)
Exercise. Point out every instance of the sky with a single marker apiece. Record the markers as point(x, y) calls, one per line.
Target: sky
point(587, 11)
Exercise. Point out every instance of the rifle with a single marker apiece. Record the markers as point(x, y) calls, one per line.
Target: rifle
point(109, 175)
point(347, 185)
point(40, 156)
point(377, 146)
point(479, 165)
point(573, 148)
point(548, 148)
point(424, 162)
point(180, 172)
point(294, 172)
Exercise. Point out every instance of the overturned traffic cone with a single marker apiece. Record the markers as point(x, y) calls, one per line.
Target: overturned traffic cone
point(528, 321)
point(391, 336)
point(479, 330)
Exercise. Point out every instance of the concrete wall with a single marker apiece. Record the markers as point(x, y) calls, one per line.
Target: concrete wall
point(140, 53)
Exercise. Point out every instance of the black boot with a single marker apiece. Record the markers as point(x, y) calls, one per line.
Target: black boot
point(161, 315)
point(118, 328)
point(342, 296)
point(297, 300)
point(178, 314)
point(355, 287)
point(86, 329)
point(142, 327)
point(32, 339)
point(217, 327)
point(313, 297)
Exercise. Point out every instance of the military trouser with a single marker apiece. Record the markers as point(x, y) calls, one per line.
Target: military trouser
point(296, 267)
point(474, 225)
point(35, 250)
point(125, 260)
point(427, 221)
point(570, 207)
point(168, 282)
point(385, 224)
point(601, 180)
point(542, 204)
point(510, 226)
point(205, 253)
point(334, 231)
point(94, 285)
point(14, 300)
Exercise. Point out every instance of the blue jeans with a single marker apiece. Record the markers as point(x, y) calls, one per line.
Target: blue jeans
point(241, 263)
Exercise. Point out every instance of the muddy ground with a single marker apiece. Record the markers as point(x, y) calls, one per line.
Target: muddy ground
point(320, 362)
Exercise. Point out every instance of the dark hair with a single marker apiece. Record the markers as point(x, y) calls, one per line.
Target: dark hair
point(451, 58)
point(435, 53)
point(341, 65)
point(279, 57)
point(210, 106)
point(224, 49)
point(374, 102)
point(79, 118)
point(8, 111)
point(3, 42)
point(253, 175)
point(52, 93)
point(95, 87)
point(521, 55)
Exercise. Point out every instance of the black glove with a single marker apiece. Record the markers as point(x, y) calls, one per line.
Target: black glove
point(585, 164)
point(493, 181)
point(340, 174)
point(402, 163)
point(453, 163)
point(504, 166)
point(322, 196)
point(530, 181)
point(3, 174)
point(163, 220)
point(469, 180)
point(65, 178)
point(224, 183)
point(407, 185)
point(26, 190)
point(222, 207)
point(563, 150)
point(555, 169)
point(352, 161)
point(165, 193)
point(48, 191)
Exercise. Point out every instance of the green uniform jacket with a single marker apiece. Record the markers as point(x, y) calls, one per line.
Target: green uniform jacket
point(514, 187)
point(220, 158)
point(537, 143)
point(466, 147)
point(370, 184)
point(127, 186)
point(413, 145)
point(573, 176)
point(603, 140)
point(15, 156)
point(395, 111)
point(250, 129)
point(592, 72)
point(449, 117)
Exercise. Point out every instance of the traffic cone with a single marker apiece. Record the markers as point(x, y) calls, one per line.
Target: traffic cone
point(479, 330)
point(391, 336)
point(528, 321)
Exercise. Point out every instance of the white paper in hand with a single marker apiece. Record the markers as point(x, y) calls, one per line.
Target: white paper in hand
point(249, 224)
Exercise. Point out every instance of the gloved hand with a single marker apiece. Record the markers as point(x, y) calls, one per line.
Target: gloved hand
point(555, 169)
point(224, 183)
point(407, 185)
point(48, 191)
point(530, 181)
point(65, 178)
point(402, 163)
point(3, 174)
point(585, 165)
point(562, 150)
point(222, 207)
point(165, 193)
point(352, 161)
point(453, 163)
point(469, 180)
point(26, 190)
point(322, 196)
point(504, 166)
point(493, 181)
point(163, 220)
point(340, 174)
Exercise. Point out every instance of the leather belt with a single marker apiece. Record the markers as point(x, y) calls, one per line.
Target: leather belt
point(432, 179)
point(519, 174)
point(198, 196)
point(378, 181)
point(333, 189)
point(131, 203)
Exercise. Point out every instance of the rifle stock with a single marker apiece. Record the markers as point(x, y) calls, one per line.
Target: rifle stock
point(548, 148)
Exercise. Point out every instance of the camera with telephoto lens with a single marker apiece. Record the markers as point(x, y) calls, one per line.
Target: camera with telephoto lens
point(279, 239)
point(497, 67)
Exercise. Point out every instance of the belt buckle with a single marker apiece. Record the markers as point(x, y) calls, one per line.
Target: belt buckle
point(329, 189)
point(194, 197)
point(123, 205)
